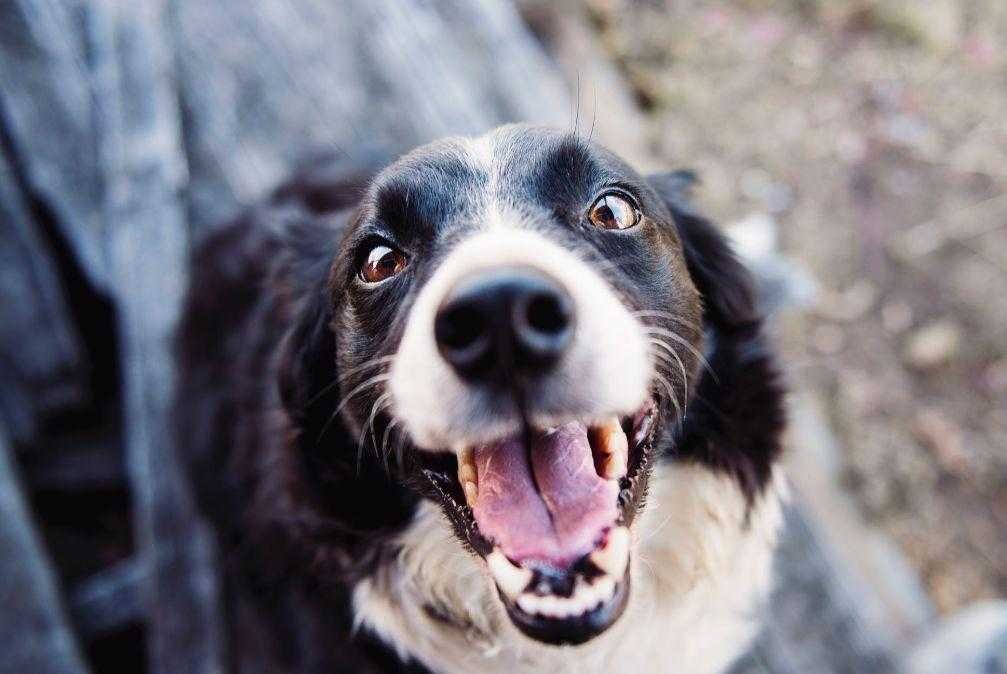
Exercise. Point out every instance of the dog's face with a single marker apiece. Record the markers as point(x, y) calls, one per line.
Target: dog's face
point(517, 328)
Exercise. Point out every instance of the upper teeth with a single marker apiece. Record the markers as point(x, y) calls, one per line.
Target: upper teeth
point(612, 447)
point(467, 475)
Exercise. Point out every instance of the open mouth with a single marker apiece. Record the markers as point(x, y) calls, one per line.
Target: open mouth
point(550, 511)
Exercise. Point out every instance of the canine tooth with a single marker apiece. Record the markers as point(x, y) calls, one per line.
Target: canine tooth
point(615, 466)
point(471, 493)
point(511, 579)
point(614, 556)
point(604, 588)
point(612, 444)
point(467, 475)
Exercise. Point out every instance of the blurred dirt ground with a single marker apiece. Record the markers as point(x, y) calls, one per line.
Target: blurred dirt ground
point(875, 134)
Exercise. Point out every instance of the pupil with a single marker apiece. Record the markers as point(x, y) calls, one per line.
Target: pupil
point(606, 214)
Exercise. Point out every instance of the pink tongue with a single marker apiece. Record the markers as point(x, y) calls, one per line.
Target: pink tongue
point(553, 509)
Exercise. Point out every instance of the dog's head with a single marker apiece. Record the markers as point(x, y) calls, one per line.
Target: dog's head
point(517, 327)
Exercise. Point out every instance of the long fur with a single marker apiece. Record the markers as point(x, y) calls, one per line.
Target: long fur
point(336, 564)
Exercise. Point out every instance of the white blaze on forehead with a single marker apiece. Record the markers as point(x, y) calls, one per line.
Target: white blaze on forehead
point(605, 371)
point(482, 153)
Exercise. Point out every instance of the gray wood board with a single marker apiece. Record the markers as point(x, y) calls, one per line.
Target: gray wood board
point(35, 634)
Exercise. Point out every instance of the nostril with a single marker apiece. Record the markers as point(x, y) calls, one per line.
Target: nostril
point(462, 334)
point(547, 313)
point(460, 327)
point(542, 326)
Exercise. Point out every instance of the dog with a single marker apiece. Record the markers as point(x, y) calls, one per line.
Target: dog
point(504, 405)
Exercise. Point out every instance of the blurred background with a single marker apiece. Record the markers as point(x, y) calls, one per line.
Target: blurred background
point(856, 152)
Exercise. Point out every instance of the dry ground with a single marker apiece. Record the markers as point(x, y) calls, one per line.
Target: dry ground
point(875, 134)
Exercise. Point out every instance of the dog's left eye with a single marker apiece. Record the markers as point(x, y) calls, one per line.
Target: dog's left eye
point(614, 211)
point(381, 263)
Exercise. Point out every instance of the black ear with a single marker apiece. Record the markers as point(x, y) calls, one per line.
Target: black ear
point(736, 416)
point(726, 286)
point(307, 364)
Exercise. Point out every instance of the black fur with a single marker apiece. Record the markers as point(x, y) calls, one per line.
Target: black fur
point(274, 314)
point(737, 416)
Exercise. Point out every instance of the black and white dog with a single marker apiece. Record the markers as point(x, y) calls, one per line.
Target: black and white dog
point(504, 406)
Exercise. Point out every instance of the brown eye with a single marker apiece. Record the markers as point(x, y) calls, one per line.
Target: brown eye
point(613, 211)
point(382, 263)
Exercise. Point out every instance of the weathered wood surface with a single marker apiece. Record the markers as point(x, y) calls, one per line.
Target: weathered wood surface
point(34, 632)
point(144, 168)
point(42, 357)
point(266, 85)
point(128, 125)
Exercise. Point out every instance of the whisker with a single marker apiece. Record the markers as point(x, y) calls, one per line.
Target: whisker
point(321, 393)
point(667, 362)
point(670, 351)
point(681, 340)
point(400, 446)
point(653, 313)
point(373, 362)
point(387, 434)
point(376, 379)
point(650, 534)
point(671, 392)
point(379, 404)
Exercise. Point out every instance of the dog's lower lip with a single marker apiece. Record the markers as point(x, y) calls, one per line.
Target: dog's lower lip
point(573, 630)
point(566, 607)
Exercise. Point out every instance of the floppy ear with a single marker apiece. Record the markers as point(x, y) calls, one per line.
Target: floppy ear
point(726, 286)
point(736, 417)
point(307, 367)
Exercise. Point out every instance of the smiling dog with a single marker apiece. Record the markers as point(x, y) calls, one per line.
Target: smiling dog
point(504, 406)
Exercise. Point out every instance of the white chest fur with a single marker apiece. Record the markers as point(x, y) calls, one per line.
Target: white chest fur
point(700, 571)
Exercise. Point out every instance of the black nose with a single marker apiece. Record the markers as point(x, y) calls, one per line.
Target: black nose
point(503, 322)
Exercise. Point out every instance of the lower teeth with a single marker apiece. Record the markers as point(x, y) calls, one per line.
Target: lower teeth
point(611, 559)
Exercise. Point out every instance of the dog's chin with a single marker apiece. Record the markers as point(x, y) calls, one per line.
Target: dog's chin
point(549, 512)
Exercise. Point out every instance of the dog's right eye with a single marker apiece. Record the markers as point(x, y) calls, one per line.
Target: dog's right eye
point(382, 263)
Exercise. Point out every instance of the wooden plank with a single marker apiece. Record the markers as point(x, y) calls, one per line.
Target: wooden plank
point(43, 363)
point(265, 85)
point(33, 627)
point(110, 600)
point(46, 105)
point(139, 146)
